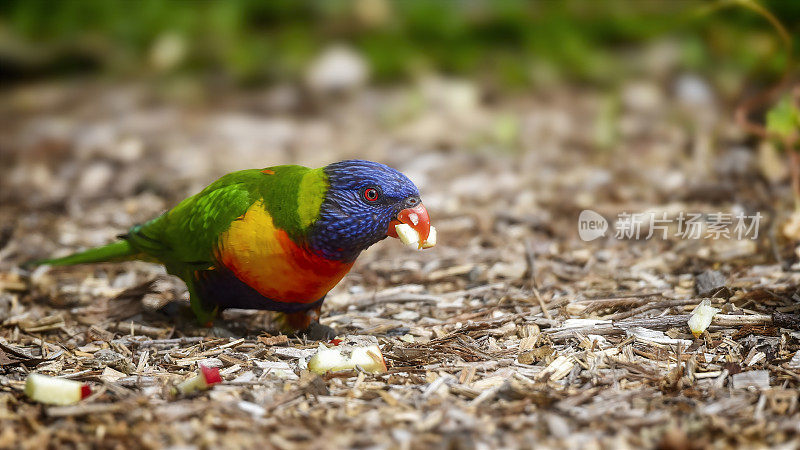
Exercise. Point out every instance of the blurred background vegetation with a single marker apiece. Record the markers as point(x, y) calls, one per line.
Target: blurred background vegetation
point(508, 44)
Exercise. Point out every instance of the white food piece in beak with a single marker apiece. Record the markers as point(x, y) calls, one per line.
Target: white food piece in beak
point(368, 358)
point(431, 241)
point(52, 390)
point(407, 235)
point(410, 237)
point(701, 317)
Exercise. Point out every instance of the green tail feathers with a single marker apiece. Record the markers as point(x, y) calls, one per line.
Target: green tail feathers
point(116, 251)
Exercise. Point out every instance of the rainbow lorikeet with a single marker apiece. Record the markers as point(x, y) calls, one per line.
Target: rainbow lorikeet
point(276, 239)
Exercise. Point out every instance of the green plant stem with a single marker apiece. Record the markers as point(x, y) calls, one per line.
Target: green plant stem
point(794, 167)
point(764, 97)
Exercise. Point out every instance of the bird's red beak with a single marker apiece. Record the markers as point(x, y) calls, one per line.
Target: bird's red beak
point(417, 218)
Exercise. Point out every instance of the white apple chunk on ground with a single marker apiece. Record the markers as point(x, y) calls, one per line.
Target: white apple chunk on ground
point(367, 358)
point(203, 380)
point(701, 317)
point(55, 391)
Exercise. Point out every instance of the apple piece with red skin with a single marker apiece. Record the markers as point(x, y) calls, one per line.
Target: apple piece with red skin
point(210, 375)
point(54, 390)
point(203, 380)
point(418, 220)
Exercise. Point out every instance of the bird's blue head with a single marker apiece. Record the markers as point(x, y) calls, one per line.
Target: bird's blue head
point(364, 201)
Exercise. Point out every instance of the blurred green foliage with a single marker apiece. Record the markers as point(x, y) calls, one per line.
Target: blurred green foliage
point(783, 121)
point(502, 41)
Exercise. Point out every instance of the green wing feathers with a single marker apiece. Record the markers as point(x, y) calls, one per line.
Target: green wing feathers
point(186, 234)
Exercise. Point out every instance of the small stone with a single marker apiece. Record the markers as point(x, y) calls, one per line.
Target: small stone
point(407, 315)
point(211, 363)
point(795, 362)
point(694, 91)
point(709, 282)
point(110, 375)
point(642, 97)
point(337, 69)
point(277, 369)
point(737, 161)
point(95, 179)
point(559, 427)
point(109, 358)
point(755, 378)
point(791, 228)
point(535, 355)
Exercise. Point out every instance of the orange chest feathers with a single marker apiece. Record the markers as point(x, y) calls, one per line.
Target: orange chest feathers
point(266, 259)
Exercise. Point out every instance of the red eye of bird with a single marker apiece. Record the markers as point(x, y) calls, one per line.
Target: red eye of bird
point(370, 194)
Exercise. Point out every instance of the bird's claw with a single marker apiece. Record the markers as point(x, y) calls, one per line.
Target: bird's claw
point(318, 332)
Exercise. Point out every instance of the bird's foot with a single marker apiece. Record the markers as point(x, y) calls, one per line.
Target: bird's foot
point(221, 332)
point(304, 323)
point(319, 332)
